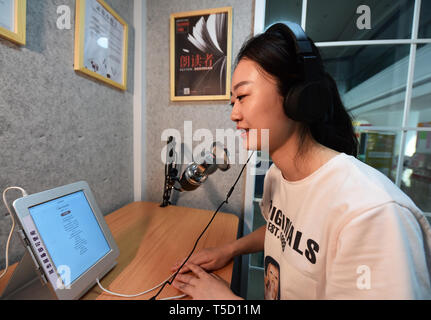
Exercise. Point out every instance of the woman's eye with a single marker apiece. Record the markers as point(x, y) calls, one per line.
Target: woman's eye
point(239, 98)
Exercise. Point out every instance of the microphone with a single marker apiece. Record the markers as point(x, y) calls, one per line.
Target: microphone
point(197, 173)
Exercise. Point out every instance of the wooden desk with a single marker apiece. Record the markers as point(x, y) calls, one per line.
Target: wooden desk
point(151, 239)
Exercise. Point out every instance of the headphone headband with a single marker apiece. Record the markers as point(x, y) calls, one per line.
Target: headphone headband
point(302, 43)
point(304, 50)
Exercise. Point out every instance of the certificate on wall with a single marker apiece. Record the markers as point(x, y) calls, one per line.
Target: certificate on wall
point(201, 54)
point(101, 38)
point(7, 14)
point(13, 20)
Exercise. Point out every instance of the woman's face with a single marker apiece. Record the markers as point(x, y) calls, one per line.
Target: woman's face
point(257, 105)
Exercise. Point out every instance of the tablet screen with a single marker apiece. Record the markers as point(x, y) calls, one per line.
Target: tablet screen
point(71, 233)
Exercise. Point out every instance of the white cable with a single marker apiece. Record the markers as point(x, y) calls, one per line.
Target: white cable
point(176, 297)
point(24, 194)
point(141, 293)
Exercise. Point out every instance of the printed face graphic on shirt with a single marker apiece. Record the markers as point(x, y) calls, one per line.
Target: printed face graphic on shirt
point(272, 279)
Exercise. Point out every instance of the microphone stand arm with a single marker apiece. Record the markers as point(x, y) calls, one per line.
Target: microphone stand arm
point(171, 173)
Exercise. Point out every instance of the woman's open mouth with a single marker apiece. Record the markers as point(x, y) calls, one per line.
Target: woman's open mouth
point(243, 132)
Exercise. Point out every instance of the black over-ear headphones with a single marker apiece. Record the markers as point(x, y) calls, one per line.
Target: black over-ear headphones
point(309, 99)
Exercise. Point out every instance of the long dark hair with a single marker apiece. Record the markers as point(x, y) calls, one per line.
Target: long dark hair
point(274, 52)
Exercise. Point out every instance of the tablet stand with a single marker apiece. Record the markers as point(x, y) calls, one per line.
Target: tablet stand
point(26, 282)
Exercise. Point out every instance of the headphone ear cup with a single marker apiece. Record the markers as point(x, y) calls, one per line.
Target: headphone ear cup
point(309, 102)
point(291, 103)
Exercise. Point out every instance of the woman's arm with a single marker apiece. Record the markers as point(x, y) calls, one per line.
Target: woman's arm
point(203, 285)
point(218, 257)
point(251, 243)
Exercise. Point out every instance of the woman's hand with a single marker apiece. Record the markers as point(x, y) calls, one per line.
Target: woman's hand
point(208, 259)
point(202, 285)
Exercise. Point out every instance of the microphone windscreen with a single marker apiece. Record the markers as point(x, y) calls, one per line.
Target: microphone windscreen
point(186, 185)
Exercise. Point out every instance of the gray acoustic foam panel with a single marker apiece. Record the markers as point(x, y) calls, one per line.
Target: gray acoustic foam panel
point(57, 127)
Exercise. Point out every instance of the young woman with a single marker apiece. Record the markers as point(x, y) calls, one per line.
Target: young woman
point(336, 227)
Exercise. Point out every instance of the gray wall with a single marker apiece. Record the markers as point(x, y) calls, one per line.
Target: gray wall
point(161, 113)
point(57, 127)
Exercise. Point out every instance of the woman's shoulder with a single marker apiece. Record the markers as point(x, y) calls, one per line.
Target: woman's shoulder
point(366, 194)
point(345, 182)
point(369, 186)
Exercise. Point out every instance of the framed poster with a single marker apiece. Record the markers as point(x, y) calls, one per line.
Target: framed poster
point(101, 40)
point(13, 20)
point(201, 46)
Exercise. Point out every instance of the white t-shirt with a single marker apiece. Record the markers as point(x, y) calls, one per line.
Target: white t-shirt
point(344, 232)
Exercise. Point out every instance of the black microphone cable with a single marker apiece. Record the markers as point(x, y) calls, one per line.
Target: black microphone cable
point(200, 236)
